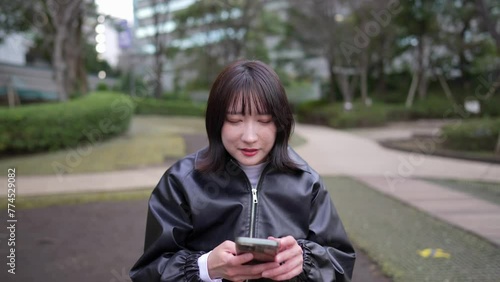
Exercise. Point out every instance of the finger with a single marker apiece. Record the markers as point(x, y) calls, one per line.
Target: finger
point(247, 272)
point(281, 246)
point(288, 275)
point(288, 241)
point(241, 259)
point(293, 267)
point(289, 254)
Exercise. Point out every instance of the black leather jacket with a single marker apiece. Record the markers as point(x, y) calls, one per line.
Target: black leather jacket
point(191, 213)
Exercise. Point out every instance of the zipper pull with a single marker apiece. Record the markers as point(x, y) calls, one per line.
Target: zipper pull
point(254, 196)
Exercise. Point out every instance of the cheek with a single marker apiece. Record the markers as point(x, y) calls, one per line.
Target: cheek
point(228, 133)
point(270, 134)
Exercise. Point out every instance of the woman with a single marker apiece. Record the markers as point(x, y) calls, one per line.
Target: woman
point(247, 182)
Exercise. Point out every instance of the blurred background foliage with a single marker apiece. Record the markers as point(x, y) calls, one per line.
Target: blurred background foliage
point(343, 63)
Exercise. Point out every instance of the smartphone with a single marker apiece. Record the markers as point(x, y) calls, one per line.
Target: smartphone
point(262, 249)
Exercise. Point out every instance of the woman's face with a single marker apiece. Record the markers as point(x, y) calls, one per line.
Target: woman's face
point(248, 138)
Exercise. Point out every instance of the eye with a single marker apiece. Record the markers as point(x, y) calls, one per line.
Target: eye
point(233, 119)
point(265, 119)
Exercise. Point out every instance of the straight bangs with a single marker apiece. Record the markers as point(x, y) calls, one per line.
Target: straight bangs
point(248, 102)
point(247, 87)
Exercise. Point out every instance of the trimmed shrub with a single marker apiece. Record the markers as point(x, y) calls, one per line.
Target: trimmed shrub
point(101, 86)
point(490, 107)
point(435, 108)
point(472, 135)
point(333, 115)
point(359, 117)
point(151, 106)
point(44, 127)
point(315, 112)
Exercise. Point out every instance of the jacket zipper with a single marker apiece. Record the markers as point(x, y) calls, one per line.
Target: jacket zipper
point(255, 201)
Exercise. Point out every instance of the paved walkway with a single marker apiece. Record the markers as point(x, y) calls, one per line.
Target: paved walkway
point(334, 152)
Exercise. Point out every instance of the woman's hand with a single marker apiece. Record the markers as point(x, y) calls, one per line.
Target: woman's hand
point(290, 259)
point(224, 263)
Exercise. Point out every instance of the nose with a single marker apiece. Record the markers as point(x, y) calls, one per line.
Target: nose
point(249, 133)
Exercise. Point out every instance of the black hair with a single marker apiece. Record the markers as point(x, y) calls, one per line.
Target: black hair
point(239, 86)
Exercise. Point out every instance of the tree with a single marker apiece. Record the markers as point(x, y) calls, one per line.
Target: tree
point(490, 20)
point(342, 32)
point(315, 26)
point(67, 18)
point(160, 41)
point(465, 41)
point(59, 36)
point(418, 29)
point(15, 16)
point(372, 30)
point(211, 34)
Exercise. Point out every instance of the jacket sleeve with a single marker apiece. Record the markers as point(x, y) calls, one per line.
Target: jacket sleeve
point(328, 253)
point(168, 224)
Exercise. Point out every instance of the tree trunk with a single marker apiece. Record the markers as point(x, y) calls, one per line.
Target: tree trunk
point(411, 92)
point(159, 19)
point(63, 15)
point(332, 83)
point(158, 84)
point(382, 79)
point(446, 89)
point(77, 76)
point(497, 147)
point(59, 64)
point(423, 85)
point(490, 24)
point(343, 81)
point(422, 78)
point(364, 78)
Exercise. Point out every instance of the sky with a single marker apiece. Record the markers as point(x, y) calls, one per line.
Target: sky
point(121, 9)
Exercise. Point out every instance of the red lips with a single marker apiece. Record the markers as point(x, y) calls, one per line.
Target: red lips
point(249, 152)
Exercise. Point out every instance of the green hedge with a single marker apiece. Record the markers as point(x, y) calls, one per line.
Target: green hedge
point(315, 112)
point(151, 106)
point(472, 135)
point(42, 127)
point(359, 117)
point(333, 115)
point(435, 108)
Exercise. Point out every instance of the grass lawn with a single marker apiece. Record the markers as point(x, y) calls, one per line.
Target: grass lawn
point(482, 190)
point(392, 234)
